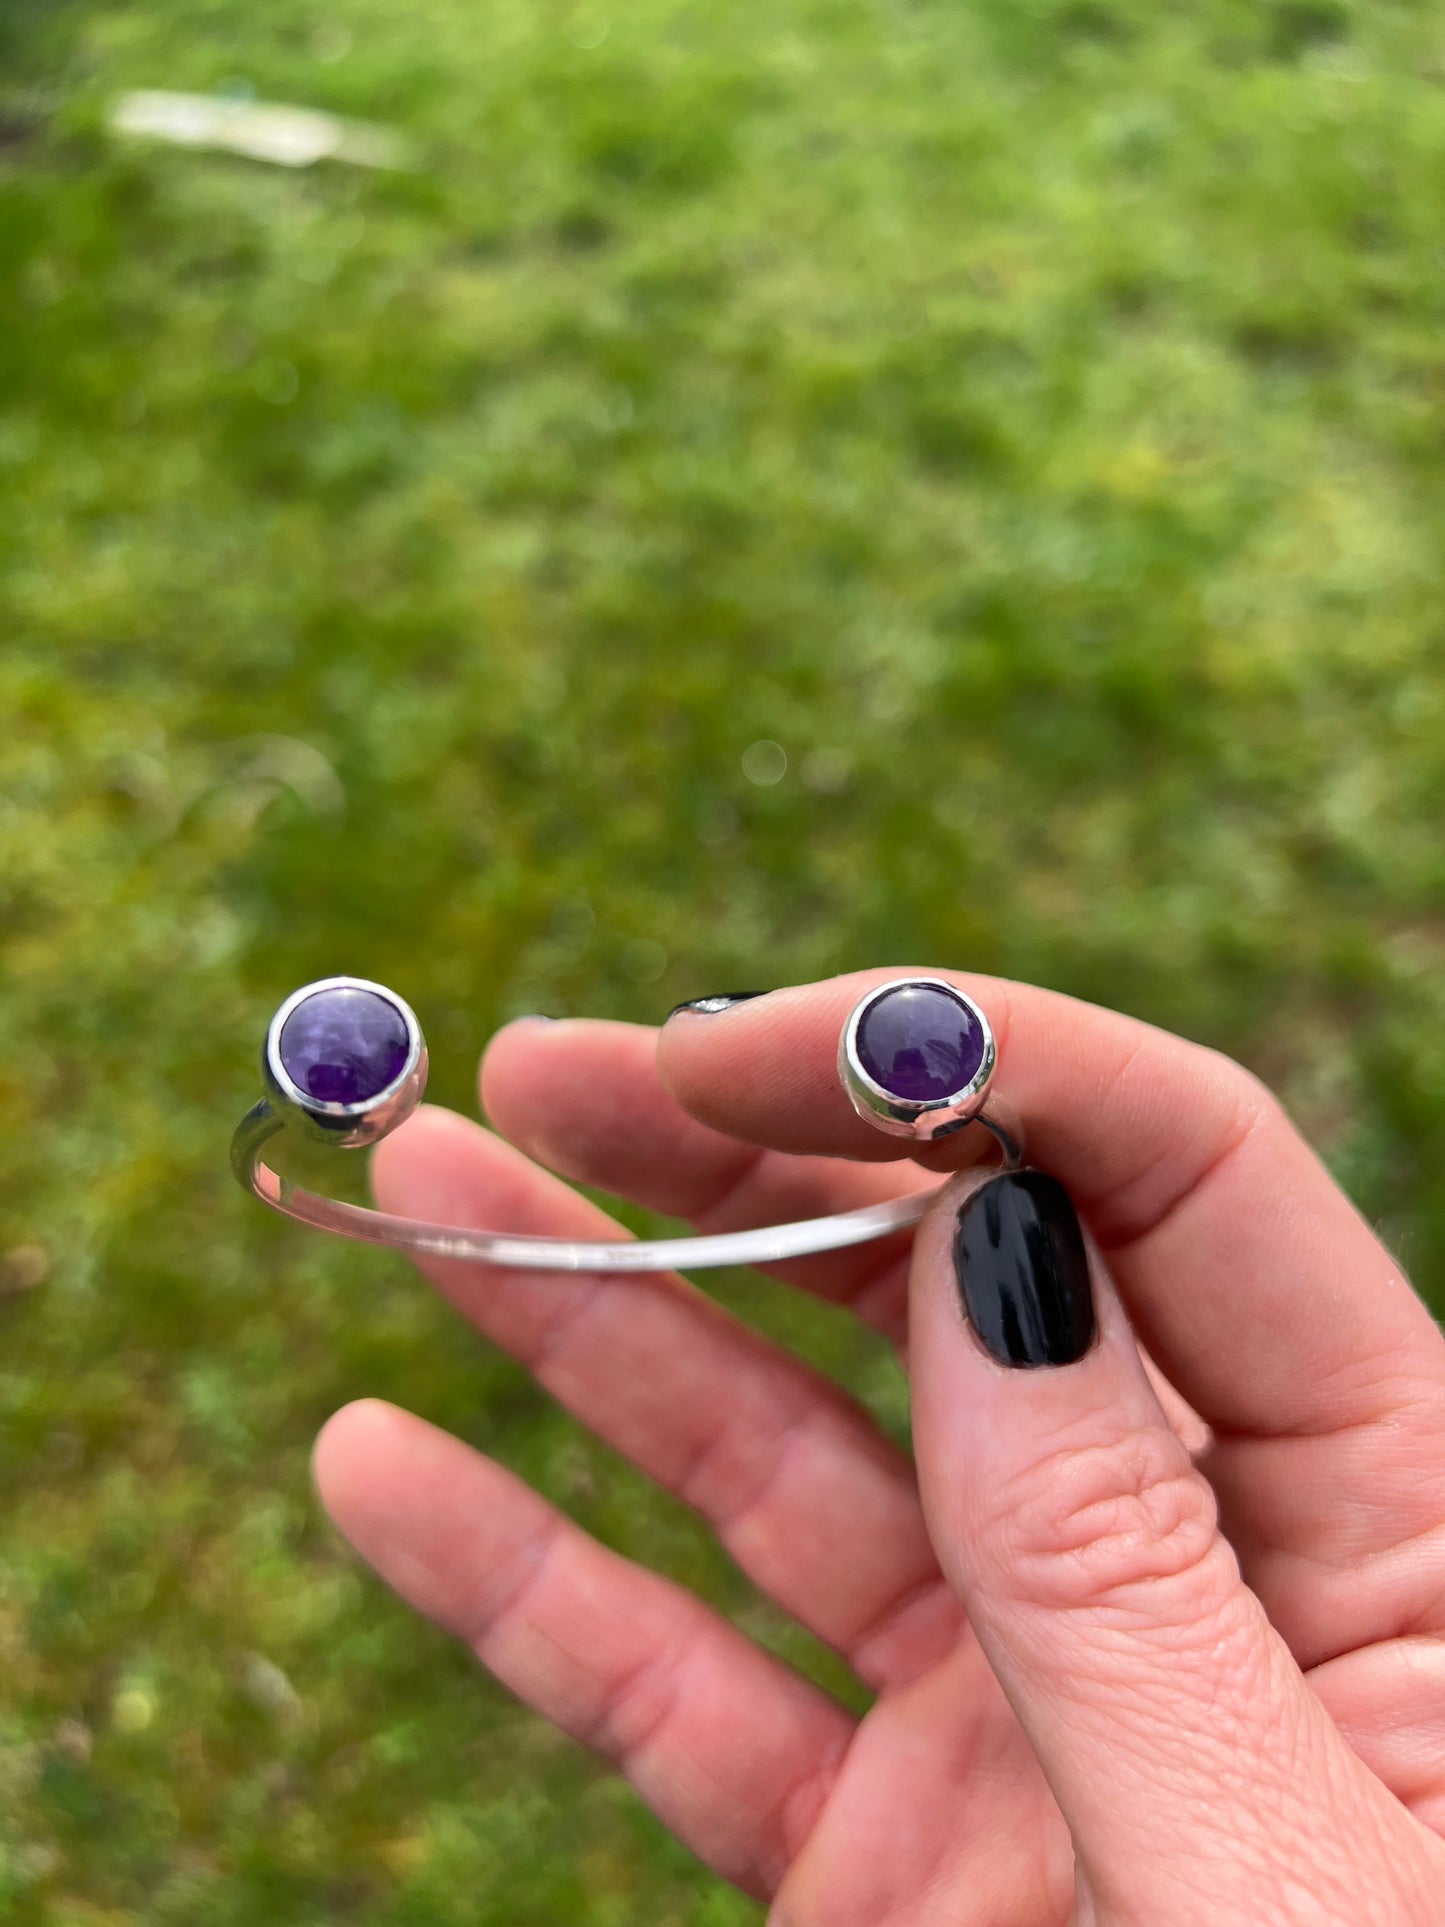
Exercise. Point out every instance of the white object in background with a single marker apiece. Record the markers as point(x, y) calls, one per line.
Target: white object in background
point(265, 131)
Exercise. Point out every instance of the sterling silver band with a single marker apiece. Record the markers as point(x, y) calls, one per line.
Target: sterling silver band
point(366, 1119)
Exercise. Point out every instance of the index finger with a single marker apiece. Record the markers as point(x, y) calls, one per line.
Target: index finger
point(1251, 1279)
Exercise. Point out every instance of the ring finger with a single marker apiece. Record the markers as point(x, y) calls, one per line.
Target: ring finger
point(731, 1749)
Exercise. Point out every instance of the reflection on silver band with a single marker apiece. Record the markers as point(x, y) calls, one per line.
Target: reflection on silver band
point(767, 1245)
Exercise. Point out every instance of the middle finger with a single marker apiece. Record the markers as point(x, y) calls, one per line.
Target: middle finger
point(584, 1098)
point(812, 1501)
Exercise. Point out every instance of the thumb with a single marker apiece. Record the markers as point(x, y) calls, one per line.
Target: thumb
point(1200, 1777)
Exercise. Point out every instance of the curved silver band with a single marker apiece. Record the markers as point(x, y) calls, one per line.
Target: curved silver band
point(359, 1123)
point(768, 1244)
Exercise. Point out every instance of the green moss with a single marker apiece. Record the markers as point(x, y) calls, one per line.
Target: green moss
point(1028, 415)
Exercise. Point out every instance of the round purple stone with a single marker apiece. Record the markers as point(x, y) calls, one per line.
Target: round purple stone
point(920, 1043)
point(342, 1046)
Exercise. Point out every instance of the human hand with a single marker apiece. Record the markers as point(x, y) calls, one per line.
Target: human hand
point(1151, 1644)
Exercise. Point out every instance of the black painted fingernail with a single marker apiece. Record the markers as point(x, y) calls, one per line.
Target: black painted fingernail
point(1022, 1271)
point(724, 1000)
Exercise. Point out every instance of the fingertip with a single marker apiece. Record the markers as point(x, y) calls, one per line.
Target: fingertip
point(512, 1060)
point(530, 1068)
point(516, 1035)
point(405, 1495)
point(933, 1238)
point(350, 1445)
point(764, 1069)
point(714, 1004)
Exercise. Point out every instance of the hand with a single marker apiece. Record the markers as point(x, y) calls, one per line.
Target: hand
point(1155, 1644)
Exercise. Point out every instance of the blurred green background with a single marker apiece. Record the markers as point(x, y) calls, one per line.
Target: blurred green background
point(777, 488)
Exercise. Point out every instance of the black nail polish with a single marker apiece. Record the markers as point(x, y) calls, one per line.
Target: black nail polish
point(724, 1000)
point(1022, 1271)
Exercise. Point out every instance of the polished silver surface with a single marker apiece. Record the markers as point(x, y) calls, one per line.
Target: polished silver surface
point(347, 1125)
point(925, 1120)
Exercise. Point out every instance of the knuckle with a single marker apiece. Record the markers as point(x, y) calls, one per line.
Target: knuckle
point(633, 1706)
point(1125, 1526)
point(1251, 1102)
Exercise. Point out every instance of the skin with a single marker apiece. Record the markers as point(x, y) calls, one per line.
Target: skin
point(1155, 1636)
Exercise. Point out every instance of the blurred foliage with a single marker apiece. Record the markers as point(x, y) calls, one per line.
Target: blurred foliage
point(779, 488)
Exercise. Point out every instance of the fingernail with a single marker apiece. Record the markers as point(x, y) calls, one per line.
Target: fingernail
point(723, 1001)
point(530, 1017)
point(1023, 1274)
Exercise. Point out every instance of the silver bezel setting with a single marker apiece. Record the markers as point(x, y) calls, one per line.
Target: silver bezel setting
point(367, 1120)
point(901, 1117)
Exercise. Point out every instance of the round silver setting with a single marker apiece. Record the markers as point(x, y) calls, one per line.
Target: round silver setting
point(920, 1119)
point(368, 1119)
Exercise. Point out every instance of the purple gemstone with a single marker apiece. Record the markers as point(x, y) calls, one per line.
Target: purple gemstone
point(920, 1043)
point(343, 1046)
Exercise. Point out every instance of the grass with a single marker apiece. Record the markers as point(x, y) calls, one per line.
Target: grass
point(1027, 414)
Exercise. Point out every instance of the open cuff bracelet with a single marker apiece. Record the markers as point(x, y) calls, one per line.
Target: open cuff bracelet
point(345, 1062)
